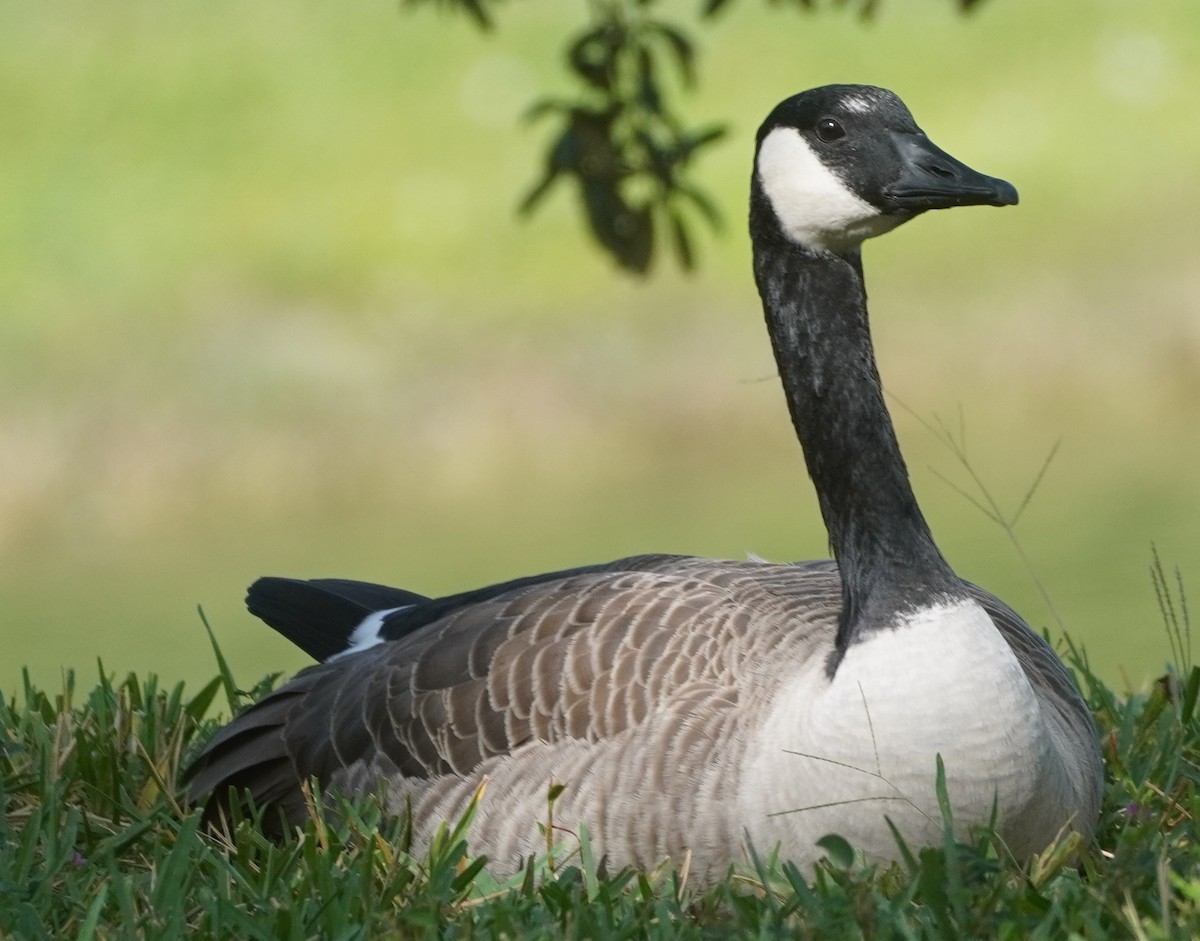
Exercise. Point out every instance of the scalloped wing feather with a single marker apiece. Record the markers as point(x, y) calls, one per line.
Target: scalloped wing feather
point(584, 656)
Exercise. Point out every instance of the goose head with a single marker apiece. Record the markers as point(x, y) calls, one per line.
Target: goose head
point(843, 163)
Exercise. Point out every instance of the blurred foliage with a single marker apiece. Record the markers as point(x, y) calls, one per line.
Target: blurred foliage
point(620, 136)
point(621, 141)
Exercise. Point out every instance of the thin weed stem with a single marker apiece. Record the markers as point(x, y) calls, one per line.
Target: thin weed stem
point(955, 441)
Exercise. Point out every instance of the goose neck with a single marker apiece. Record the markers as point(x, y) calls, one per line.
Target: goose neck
point(816, 311)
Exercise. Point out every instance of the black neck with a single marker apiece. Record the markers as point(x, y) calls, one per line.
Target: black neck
point(816, 309)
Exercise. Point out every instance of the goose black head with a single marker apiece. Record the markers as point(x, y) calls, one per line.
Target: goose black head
point(842, 163)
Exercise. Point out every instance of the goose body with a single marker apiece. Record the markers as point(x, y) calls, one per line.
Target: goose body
point(691, 705)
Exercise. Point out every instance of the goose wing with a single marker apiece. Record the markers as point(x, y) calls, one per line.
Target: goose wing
point(1063, 708)
point(584, 654)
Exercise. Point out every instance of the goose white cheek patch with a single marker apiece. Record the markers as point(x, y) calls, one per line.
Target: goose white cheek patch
point(813, 205)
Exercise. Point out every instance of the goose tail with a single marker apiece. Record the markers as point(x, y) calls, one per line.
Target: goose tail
point(326, 617)
point(247, 766)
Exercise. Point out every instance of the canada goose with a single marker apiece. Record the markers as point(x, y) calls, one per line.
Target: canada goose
point(690, 706)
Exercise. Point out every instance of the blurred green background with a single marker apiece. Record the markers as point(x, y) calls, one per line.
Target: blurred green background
point(267, 309)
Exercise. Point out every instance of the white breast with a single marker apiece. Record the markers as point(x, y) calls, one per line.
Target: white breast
point(836, 756)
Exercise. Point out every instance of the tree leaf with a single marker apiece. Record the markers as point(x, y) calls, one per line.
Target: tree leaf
point(681, 46)
point(625, 231)
point(593, 55)
point(691, 142)
point(683, 242)
point(701, 201)
point(648, 93)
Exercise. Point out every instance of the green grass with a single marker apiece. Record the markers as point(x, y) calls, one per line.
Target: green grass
point(94, 844)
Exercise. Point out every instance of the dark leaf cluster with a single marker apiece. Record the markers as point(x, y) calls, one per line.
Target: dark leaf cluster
point(621, 143)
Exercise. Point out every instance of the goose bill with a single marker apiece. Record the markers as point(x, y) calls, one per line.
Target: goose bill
point(932, 179)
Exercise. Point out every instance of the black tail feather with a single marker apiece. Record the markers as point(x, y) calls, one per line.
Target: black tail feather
point(371, 596)
point(319, 616)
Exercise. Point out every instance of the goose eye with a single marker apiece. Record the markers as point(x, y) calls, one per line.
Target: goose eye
point(828, 129)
